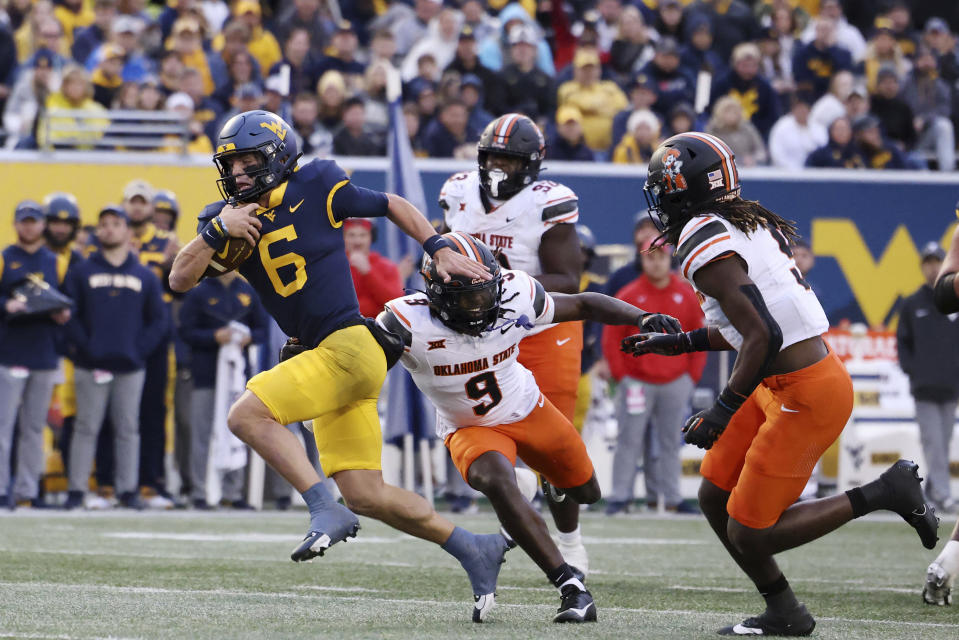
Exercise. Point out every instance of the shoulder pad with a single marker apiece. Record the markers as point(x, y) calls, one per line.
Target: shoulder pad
point(388, 320)
point(703, 239)
point(557, 200)
point(539, 298)
point(565, 208)
point(330, 172)
point(454, 188)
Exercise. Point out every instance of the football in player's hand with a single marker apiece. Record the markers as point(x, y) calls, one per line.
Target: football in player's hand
point(235, 253)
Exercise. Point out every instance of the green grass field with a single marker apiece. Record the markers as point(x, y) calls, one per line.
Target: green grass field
point(190, 575)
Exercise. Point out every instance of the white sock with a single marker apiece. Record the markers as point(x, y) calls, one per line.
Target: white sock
point(571, 538)
point(949, 558)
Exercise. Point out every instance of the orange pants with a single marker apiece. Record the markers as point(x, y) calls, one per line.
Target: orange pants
point(554, 357)
point(545, 440)
point(767, 453)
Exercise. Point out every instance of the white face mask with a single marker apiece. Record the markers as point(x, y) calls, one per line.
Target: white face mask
point(496, 176)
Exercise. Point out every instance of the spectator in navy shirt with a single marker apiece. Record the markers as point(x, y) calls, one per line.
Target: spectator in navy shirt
point(119, 318)
point(754, 92)
point(698, 54)
point(567, 141)
point(471, 93)
point(816, 63)
point(343, 57)
point(207, 320)
point(28, 356)
point(673, 83)
point(88, 39)
point(446, 136)
point(839, 151)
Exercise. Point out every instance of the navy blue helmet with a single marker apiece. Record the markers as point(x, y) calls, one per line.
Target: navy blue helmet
point(262, 133)
point(61, 206)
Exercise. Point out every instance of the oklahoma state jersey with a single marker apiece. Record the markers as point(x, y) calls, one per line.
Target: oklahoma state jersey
point(513, 226)
point(771, 267)
point(472, 381)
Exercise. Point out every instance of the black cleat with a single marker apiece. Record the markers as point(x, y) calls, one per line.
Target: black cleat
point(906, 498)
point(316, 543)
point(798, 622)
point(575, 606)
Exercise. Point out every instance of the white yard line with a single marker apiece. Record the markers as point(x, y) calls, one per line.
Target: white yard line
point(58, 636)
point(409, 601)
point(239, 537)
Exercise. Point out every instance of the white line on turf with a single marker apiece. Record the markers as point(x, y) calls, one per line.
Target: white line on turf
point(681, 587)
point(47, 636)
point(238, 537)
point(316, 587)
point(412, 601)
point(645, 541)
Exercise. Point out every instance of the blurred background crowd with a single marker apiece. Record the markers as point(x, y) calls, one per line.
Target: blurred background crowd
point(787, 83)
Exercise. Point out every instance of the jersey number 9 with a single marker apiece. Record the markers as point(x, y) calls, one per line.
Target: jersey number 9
point(481, 386)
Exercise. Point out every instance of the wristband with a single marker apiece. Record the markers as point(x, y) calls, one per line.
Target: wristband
point(698, 339)
point(944, 294)
point(434, 243)
point(214, 234)
point(730, 400)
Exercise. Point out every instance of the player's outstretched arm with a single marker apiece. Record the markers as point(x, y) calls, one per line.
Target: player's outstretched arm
point(946, 293)
point(674, 344)
point(193, 259)
point(602, 308)
point(414, 224)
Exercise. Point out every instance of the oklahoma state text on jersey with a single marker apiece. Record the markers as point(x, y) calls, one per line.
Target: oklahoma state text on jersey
point(472, 381)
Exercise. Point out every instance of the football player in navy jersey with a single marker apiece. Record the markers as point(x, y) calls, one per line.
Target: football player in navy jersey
point(293, 216)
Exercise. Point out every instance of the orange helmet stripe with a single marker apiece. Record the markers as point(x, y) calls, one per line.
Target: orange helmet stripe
point(730, 174)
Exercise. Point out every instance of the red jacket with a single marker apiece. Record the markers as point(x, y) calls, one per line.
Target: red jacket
point(676, 299)
point(380, 285)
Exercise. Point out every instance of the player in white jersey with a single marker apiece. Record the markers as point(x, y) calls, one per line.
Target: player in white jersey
point(788, 397)
point(531, 224)
point(942, 573)
point(461, 345)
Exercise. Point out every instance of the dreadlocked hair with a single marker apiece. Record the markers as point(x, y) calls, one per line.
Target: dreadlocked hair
point(745, 215)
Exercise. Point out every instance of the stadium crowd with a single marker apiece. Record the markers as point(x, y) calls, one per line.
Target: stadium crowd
point(787, 83)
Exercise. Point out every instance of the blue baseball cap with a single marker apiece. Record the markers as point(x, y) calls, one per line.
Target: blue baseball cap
point(28, 210)
point(166, 201)
point(114, 210)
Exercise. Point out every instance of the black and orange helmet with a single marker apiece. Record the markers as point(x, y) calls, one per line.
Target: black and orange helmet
point(687, 171)
point(465, 304)
point(511, 135)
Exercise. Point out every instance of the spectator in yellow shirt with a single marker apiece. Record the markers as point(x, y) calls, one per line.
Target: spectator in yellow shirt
point(186, 40)
point(72, 15)
point(598, 100)
point(76, 92)
point(262, 43)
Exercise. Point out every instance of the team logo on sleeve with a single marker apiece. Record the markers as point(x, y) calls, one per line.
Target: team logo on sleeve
point(672, 172)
